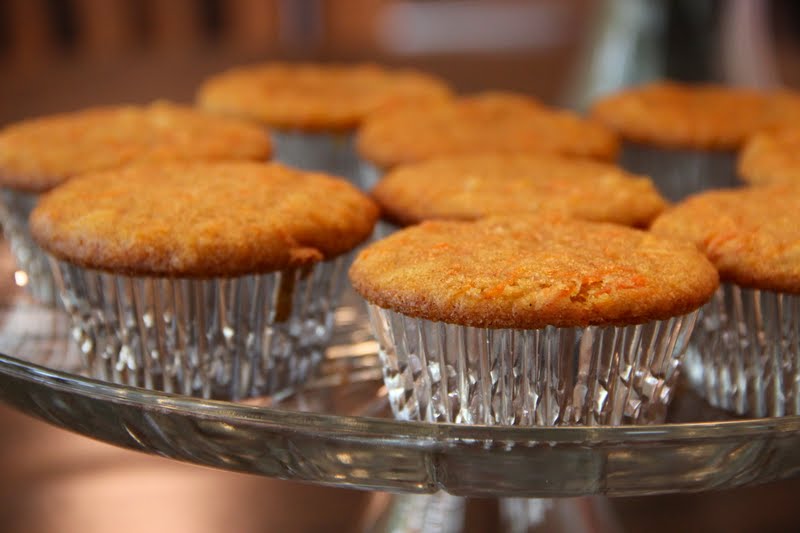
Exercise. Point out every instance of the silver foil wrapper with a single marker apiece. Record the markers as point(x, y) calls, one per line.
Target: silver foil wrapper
point(33, 271)
point(679, 173)
point(332, 153)
point(369, 175)
point(745, 354)
point(227, 338)
point(439, 372)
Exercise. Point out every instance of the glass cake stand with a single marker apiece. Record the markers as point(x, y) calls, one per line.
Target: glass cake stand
point(338, 430)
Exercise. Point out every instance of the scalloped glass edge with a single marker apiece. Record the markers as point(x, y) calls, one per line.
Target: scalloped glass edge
point(433, 435)
point(418, 457)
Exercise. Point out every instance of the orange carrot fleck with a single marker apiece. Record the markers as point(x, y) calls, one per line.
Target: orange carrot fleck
point(495, 291)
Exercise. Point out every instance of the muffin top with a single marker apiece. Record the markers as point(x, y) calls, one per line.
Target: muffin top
point(782, 109)
point(470, 187)
point(771, 156)
point(673, 115)
point(201, 219)
point(36, 155)
point(315, 97)
point(484, 123)
point(533, 271)
point(751, 235)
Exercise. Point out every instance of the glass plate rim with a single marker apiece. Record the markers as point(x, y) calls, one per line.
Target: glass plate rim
point(400, 432)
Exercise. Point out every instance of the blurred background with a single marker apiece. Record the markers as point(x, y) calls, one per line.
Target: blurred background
point(58, 55)
point(63, 54)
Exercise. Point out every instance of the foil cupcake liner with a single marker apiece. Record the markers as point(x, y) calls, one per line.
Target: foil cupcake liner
point(424, 513)
point(227, 338)
point(440, 372)
point(333, 153)
point(369, 174)
point(519, 515)
point(745, 354)
point(679, 173)
point(33, 272)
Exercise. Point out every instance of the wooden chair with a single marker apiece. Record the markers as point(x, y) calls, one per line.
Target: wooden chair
point(39, 32)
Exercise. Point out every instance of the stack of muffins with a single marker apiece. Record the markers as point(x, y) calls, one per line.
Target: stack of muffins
point(745, 356)
point(526, 280)
point(186, 261)
point(313, 111)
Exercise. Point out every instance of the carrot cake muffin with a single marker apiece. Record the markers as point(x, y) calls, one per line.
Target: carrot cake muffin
point(215, 279)
point(491, 122)
point(782, 109)
point(745, 354)
point(771, 156)
point(312, 110)
point(38, 154)
point(684, 136)
point(470, 187)
point(480, 322)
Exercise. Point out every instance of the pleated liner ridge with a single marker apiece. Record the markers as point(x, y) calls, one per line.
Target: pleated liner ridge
point(745, 355)
point(441, 372)
point(226, 338)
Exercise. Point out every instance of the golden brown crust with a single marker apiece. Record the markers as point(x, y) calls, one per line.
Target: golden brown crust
point(674, 115)
point(470, 187)
point(36, 155)
point(531, 272)
point(201, 220)
point(483, 123)
point(751, 235)
point(771, 157)
point(782, 110)
point(315, 97)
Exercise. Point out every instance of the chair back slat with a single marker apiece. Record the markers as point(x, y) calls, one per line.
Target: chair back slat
point(250, 25)
point(31, 40)
point(106, 28)
point(175, 25)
